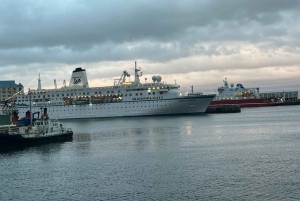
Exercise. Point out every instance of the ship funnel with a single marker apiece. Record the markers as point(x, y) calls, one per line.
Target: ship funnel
point(79, 79)
point(45, 115)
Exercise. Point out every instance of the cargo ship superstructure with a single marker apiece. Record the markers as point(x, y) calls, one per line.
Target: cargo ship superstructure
point(251, 97)
point(123, 99)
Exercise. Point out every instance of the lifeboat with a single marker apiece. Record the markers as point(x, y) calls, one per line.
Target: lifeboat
point(68, 100)
point(114, 98)
point(97, 99)
point(82, 100)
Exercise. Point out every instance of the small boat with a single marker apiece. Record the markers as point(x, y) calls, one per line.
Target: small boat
point(43, 130)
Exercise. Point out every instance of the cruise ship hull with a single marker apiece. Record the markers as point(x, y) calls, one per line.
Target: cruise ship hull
point(174, 106)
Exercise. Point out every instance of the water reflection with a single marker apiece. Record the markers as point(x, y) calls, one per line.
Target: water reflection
point(83, 137)
point(231, 157)
point(44, 149)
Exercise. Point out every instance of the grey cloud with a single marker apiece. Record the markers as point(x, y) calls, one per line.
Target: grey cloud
point(90, 31)
point(111, 51)
point(84, 23)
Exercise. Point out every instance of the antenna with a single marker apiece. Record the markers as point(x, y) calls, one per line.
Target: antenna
point(55, 85)
point(39, 83)
point(137, 74)
point(29, 93)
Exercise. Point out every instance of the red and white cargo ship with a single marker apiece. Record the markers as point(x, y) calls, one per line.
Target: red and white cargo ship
point(251, 97)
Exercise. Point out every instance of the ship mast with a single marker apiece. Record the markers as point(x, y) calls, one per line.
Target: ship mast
point(137, 75)
point(39, 84)
point(29, 93)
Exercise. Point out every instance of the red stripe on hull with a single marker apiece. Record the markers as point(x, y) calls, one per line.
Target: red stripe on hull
point(244, 103)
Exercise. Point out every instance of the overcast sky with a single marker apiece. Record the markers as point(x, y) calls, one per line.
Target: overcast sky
point(197, 43)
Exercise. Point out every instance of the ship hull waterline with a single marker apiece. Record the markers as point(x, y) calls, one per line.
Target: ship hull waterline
point(19, 140)
point(244, 103)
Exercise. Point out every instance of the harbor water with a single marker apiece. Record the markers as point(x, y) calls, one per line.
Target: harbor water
point(252, 155)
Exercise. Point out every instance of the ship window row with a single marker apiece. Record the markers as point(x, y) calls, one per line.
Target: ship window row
point(151, 88)
point(60, 95)
point(121, 95)
point(147, 102)
point(99, 92)
point(145, 89)
point(60, 98)
point(105, 105)
point(52, 91)
point(98, 88)
point(147, 98)
point(71, 94)
point(112, 108)
point(144, 98)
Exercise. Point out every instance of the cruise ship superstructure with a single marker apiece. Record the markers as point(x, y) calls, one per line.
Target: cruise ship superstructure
point(123, 99)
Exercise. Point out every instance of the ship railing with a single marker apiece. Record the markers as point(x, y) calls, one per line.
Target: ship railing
point(10, 130)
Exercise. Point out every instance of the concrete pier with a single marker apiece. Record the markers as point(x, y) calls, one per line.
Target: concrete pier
point(223, 109)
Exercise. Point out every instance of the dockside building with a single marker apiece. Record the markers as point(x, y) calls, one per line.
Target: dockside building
point(9, 88)
point(284, 95)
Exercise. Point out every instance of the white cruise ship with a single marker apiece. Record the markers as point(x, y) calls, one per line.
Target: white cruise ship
point(123, 99)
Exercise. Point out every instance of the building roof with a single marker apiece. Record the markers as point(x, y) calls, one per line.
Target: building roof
point(9, 83)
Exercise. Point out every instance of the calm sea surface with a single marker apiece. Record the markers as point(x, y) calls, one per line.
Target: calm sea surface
point(252, 155)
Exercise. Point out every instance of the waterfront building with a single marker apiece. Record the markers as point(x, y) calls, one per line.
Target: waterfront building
point(8, 88)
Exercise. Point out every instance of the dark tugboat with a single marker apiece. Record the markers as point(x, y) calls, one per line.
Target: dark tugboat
point(42, 130)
